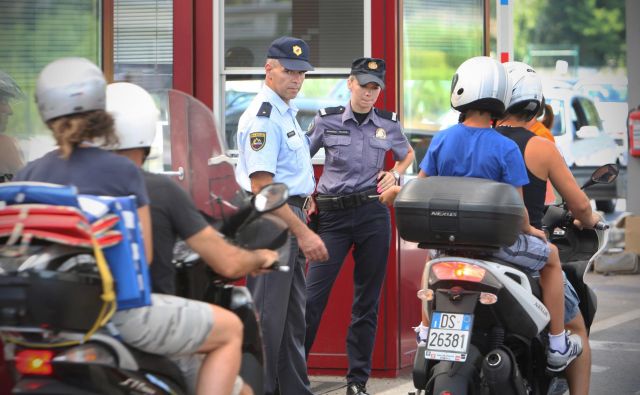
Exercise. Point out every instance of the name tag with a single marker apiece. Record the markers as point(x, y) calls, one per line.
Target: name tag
point(338, 132)
point(291, 134)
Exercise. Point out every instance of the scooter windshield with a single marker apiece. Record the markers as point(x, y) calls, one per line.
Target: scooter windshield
point(189, 148)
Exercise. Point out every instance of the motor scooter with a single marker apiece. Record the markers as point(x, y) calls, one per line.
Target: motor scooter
point(487, 321)
point(46, 344)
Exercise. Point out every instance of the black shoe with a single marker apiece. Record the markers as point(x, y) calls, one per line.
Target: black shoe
point(356, 389)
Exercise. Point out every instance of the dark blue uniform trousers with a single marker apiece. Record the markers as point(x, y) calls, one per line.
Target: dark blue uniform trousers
point(280, 301)
point(367, 229)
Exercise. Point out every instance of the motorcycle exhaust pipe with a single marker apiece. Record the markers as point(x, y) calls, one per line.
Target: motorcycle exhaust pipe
point(498, 369)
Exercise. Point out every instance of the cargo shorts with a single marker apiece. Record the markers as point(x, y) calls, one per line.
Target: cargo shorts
point(170, 326)
point(531, 253)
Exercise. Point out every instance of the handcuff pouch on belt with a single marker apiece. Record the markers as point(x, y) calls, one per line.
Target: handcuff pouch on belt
point(328, 202)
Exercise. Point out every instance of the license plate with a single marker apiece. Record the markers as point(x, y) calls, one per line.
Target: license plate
point(449, 336)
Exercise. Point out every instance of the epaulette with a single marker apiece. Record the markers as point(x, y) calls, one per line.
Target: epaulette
point(390, 115)
point(265, 109)
point(331, 111)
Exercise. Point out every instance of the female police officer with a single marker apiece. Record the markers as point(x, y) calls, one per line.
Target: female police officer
point(356, 138)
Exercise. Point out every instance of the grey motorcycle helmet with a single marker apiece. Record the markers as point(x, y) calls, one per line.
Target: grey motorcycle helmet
point(9, 89)
point(480, 83)
point(69, 86)
point(526, 89)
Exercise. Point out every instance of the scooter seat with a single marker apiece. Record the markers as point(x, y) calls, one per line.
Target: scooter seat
point(158, 364)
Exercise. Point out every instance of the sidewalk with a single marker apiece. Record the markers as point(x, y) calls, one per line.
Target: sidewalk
point(336, 385)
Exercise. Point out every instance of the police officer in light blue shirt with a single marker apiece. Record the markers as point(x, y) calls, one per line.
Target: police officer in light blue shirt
point(356, 138)
point(274, 142)
point(273, 148)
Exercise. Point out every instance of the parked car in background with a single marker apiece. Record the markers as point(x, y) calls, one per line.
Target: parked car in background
point(609, 95)
point(577, 129)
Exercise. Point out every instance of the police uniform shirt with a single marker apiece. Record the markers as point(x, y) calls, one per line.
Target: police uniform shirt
point(354, 153)
point(270, 139)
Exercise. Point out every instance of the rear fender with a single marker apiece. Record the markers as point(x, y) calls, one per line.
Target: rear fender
point(455, 377)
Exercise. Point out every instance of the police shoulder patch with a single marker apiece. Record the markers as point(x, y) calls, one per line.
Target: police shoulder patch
point(265, 110)
point(257, 140)
point(390, 115)
point(331, 111)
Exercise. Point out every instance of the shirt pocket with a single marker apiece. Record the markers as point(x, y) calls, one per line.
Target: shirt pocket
point(337, 148)
point(294, 142)
point(295, 145)
point(377, 149)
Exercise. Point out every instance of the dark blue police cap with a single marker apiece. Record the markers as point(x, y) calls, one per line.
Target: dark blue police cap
point(369, 70)
point(291, 52)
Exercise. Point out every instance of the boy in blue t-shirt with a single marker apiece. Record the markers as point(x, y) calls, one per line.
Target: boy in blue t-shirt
point(472, 148)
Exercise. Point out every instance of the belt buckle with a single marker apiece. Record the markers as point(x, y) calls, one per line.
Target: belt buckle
point(307, 203)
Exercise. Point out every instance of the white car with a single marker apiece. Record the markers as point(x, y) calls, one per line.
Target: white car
point(577, 129)
point(609, 95)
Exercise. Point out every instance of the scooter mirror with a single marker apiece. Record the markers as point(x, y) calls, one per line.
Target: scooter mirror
point(605, 174)
point(271, 197)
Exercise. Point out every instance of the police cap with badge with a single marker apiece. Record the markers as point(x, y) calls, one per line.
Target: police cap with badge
point(365, 70)
point(291, 52)
point(368, 70)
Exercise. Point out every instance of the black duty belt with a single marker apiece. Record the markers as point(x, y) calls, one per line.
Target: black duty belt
point(299, 201)
point(339, 202)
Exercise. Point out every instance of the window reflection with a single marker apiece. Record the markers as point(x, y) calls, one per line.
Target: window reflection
point(438, 36)
point(316, 93)
point(143, 42)
point(32, 34)
point(332, 28)
point(143, 55)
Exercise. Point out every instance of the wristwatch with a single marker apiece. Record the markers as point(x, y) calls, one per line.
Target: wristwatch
point(395, 175)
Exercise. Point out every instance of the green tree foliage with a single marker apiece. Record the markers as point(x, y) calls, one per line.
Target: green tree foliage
point(597, 27)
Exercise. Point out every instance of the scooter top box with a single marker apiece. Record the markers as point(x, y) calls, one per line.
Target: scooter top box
point(459, 213)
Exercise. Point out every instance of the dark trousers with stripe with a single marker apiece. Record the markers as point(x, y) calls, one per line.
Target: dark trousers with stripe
point(367, 229)
point(280, 300)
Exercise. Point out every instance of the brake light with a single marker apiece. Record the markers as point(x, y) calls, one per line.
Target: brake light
point(458, 271)
point(36, 362)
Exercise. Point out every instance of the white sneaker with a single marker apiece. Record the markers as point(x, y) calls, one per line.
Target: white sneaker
point(422, 333)
point(557, 362)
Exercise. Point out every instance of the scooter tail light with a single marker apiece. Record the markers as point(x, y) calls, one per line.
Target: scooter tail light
point(425, 295)
point(34, 362)
point(461, 271)
point(488, 298)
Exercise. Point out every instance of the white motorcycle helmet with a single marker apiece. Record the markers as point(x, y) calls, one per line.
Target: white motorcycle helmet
point(526, 89)
point(70, 86)
point(135, 114)
point(480, 83)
